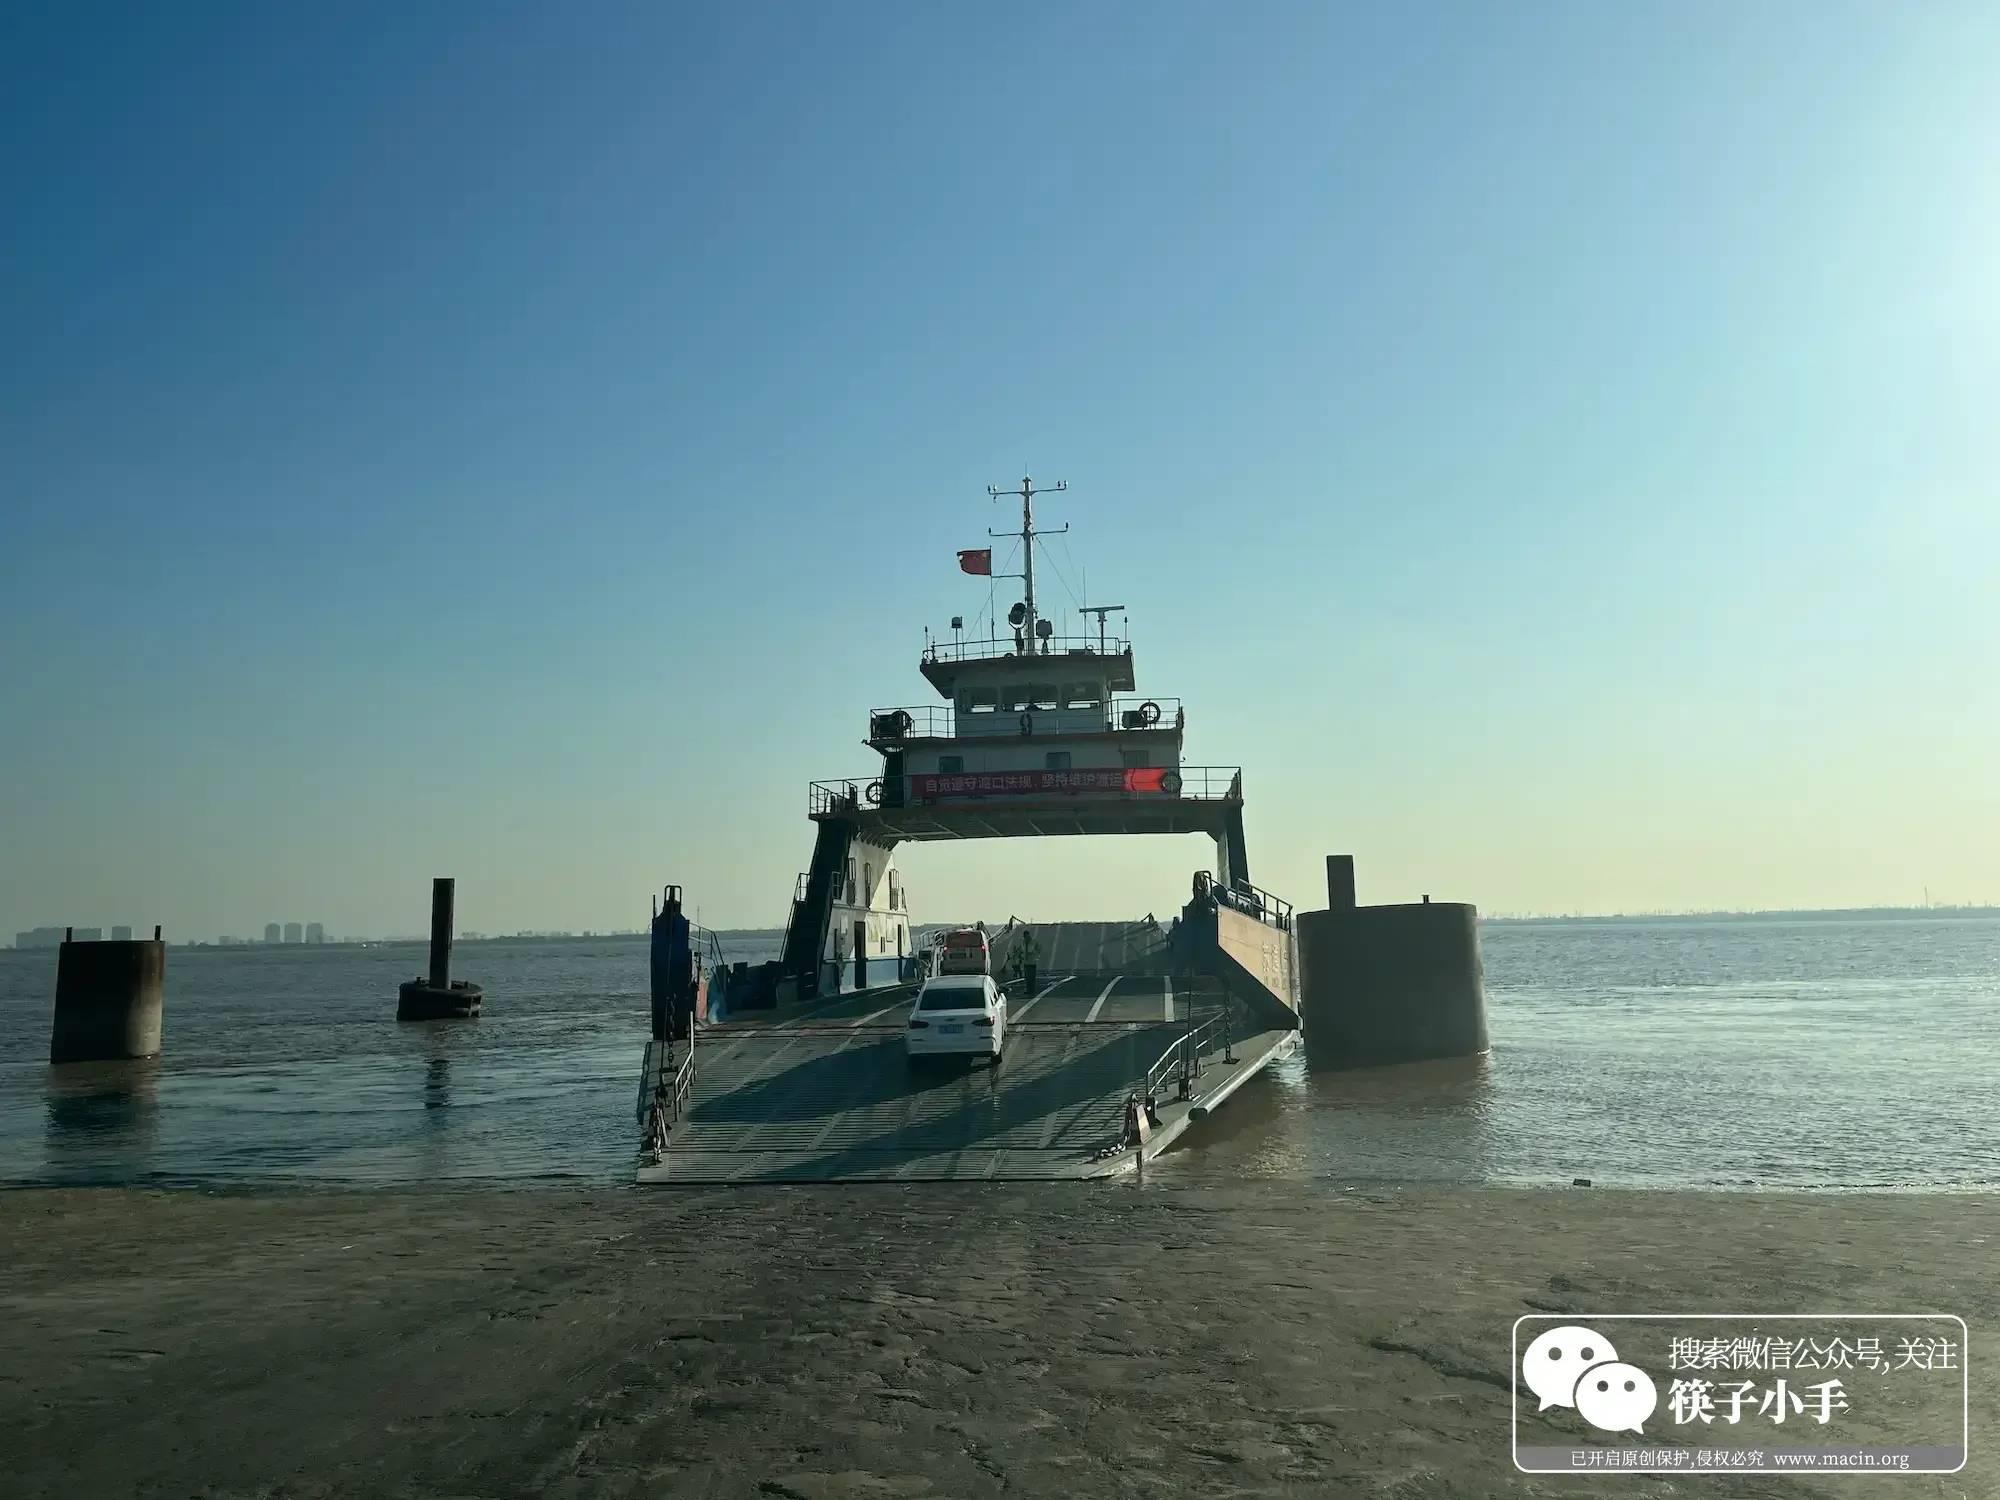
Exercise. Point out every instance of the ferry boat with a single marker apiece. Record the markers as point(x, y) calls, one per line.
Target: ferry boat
point(1028, 734)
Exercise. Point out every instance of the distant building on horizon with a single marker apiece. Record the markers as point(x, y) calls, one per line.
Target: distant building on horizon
point(315, 932)
point(89, 934)
point(294, 933)
point(270, 932)
point(121, 934)
point(39, 937)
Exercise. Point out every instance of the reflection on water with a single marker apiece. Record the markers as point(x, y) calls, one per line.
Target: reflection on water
point(100, 1115)
point(1707, 1054)
point(1809, 1053)
point(1298, 1119)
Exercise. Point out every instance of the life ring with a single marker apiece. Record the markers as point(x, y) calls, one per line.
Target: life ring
point(874, 794)
point(1027, 723)
point(1171, 783)
point(1149, 712)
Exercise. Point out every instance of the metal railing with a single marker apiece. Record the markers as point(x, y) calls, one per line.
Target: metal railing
point(1252, 901)
point(940, 721)
point(663, 1089)
point(992, 646)
point(663, 1081)
point(1147, 713)
point(919, 721)
point(1179, 1066)
point(849, 797)
point(1181, 1063)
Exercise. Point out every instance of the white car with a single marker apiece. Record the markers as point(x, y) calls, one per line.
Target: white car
point(961, 1015)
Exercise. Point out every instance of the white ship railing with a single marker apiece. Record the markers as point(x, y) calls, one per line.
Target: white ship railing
point(940, 721)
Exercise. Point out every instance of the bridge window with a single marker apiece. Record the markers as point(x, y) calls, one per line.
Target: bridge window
point(951, 765)
point(850, 882)
point(979, 700)
point(1134, 759)
point(1016, 697)
point(1044, 695)
point(868, 885)
point(1083, 695)
point(1057, 760)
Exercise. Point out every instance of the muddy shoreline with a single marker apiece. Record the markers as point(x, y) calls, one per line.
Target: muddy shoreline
point(1071, 1340)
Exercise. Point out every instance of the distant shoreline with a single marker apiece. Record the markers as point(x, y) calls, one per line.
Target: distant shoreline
point(773, 934)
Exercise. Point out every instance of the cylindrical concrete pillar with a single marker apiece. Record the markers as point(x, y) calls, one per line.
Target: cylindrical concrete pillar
point(110, 1000)
point(442, 889)
point(1392, 984)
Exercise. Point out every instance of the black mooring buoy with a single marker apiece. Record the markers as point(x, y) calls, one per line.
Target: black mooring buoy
point(435, 996)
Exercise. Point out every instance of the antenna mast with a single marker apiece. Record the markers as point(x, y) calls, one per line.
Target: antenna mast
point(1027, 534)
point(1100, 610)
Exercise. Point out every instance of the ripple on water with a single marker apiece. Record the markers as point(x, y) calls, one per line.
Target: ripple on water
point(1726, 1055)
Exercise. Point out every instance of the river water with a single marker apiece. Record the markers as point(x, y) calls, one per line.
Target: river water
point(1795, 1053)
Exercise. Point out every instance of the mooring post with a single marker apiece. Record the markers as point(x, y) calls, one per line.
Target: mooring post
point(442, 890)
point(1340, 882)
point(432, 996)
point(672, 971)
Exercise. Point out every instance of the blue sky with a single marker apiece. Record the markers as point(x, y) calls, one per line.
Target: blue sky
point(1549, 447)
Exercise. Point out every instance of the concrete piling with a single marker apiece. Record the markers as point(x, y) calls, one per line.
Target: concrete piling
point(1389, 984)
point(443, 893)
point(435, 995)
point(110, 999)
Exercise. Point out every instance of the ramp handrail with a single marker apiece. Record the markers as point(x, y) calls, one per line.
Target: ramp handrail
point(663, 1093)
point(1180, 1064)
point(1183, 1058)
point(1241, 895)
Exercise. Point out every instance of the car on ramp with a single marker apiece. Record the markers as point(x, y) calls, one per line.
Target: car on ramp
point(961, 1015)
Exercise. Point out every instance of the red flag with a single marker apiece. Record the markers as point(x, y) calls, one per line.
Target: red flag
point(976, 560)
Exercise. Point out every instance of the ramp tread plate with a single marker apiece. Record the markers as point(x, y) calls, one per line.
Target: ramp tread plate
point(834, 1107)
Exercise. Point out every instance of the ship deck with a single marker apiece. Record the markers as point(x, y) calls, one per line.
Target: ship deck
point(824, 1093)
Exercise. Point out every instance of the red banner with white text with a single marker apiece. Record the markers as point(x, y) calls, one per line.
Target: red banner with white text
point(1042, 783)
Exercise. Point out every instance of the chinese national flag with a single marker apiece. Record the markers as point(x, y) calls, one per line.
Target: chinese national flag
point(976, 560)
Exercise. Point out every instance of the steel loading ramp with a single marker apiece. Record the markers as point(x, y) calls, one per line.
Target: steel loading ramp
point(826, 1105)
point(1242, 937)
point(826, 1094)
